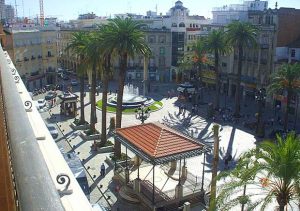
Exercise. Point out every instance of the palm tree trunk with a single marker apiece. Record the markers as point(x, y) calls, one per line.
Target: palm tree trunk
point(104, 100)
point(238, 84)
point(93, 100)
point(122, 75)
point(213, 190)
point(217, 100)
point(286, 115)
point(82, 117)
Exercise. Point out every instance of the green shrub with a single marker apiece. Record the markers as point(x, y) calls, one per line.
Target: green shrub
point(90, 132)
point(122, 158)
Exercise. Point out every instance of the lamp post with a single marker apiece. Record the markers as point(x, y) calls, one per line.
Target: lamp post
point(260, 98)
point(142, 113)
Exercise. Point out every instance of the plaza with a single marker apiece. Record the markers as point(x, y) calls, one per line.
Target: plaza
point(233, 140)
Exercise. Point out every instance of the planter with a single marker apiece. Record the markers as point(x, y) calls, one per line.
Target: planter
point(79, 127)
point(109, 162)
point(89, 137)
point(105, 149)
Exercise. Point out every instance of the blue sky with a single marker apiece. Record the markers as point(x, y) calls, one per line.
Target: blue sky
point(69, 9)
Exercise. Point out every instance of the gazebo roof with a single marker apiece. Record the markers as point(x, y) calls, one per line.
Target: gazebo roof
point(158, 143)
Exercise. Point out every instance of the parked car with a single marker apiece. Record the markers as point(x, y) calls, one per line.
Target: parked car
point(41, 103)
point(50, 95)
point(52, 130)
point(74, 82)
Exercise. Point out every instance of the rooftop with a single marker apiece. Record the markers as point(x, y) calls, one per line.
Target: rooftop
point(158, 141)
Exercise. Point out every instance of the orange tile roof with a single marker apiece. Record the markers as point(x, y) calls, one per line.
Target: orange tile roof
point(158, 140)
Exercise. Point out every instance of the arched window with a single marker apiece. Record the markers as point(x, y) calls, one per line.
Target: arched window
point(181, 25)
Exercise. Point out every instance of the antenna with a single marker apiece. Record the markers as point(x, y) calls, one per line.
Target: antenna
point(16, 6)
point(23, 8)
point(41, 13)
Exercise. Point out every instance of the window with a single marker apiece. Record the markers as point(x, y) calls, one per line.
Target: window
point(49, 54)
point(151, 39)
point(293, 53)
point(174, 25)
point(162, 39)
point(161, 61)
point(162, 50)
point(224, 64)
point(181, 25)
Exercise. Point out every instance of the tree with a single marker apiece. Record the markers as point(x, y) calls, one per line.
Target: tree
point(125, 38)
point(213, 190)
point(78, 44)
point(272, 171)
point(240, 35)
point(286, 79)
point(93, 52)
point(216, 44)
point(199, 57)
point(105, 65)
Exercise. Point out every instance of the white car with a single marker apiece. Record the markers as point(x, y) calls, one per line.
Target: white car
point(41, 103)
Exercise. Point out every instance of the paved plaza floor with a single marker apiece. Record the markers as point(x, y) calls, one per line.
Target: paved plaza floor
point(234, 140)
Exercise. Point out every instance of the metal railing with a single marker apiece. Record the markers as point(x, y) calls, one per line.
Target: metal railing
point(34, 186)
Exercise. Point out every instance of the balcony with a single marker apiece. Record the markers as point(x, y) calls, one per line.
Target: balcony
point(33, 153)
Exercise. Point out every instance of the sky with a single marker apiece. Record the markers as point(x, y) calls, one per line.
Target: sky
point(70, 9)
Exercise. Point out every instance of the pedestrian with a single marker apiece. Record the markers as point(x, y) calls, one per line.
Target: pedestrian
point(196, 109)
point(180, 107)
point(228, 158)
point(190, 98)
point(184, 109)
point(102, 172)
point(193, 109)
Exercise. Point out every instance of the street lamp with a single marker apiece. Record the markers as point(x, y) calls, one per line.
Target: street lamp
point(142, 113)
point(260, 98)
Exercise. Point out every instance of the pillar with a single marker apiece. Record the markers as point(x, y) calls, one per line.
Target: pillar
point(187, 206)
point(145, 83)
point(173, 165)
point(126, 175)
point(137, 161)
point(184, 172)
point(178, 191)
point(137, 185)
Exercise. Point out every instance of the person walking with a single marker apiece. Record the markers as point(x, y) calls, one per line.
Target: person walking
point(102, 171)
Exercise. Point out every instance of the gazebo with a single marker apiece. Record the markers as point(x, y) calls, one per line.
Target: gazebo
point(68, 104)
point(159, 144)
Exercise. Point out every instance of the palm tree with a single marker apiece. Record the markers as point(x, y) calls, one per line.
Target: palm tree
point(78, 45)
point(213, 190)
point(272, 171)
point(125, 38)
point(216, 44)
point(199, 58)
point(93, 52)
point(286, 79)
point(240, 35)
point(105, 65)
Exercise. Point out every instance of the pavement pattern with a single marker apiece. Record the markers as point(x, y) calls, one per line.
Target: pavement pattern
point(235, 139)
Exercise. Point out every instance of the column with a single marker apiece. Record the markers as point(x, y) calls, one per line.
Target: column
point(145, 82)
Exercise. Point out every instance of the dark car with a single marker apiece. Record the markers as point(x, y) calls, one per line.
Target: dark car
point(50, 95)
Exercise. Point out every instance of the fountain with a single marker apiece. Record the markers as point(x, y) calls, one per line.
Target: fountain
point(131, 98)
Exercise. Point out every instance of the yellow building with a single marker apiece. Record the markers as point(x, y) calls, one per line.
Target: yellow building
point(34, 54)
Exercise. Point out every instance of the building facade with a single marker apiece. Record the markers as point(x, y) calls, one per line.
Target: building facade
point(34, 53)
point(258, 61)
